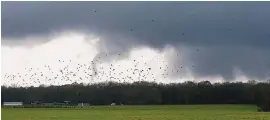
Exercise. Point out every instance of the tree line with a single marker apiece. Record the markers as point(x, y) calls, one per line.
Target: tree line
point(145, 93)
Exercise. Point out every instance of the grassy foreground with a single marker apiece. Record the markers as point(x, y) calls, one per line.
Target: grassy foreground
point(173, 112)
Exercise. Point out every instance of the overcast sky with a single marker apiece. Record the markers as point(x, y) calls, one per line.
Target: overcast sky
point(197, 40)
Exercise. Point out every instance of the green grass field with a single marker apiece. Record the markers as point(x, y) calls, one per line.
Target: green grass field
point(174, 112)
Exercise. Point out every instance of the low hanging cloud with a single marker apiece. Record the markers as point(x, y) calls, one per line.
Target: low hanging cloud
point(75, 57)
point(208, 40)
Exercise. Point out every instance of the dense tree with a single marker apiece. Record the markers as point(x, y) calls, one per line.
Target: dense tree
point(262, 96)
point(146, 93)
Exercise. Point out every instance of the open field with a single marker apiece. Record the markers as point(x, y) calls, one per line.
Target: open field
point(166, 112)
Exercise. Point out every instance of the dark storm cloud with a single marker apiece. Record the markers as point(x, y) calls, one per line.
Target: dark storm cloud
point(233, 34)
point(224, 60)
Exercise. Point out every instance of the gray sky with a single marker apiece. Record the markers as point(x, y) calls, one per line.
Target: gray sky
point(217, 38)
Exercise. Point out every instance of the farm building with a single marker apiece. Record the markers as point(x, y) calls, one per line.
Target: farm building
point(13, 103)
point(67, 102)
point(113, 104)
point(83, 104)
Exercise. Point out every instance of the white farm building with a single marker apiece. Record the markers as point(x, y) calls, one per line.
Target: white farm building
point(13, 103)
point(83, 104)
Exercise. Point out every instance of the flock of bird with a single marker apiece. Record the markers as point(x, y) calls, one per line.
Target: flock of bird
point(89, 72)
